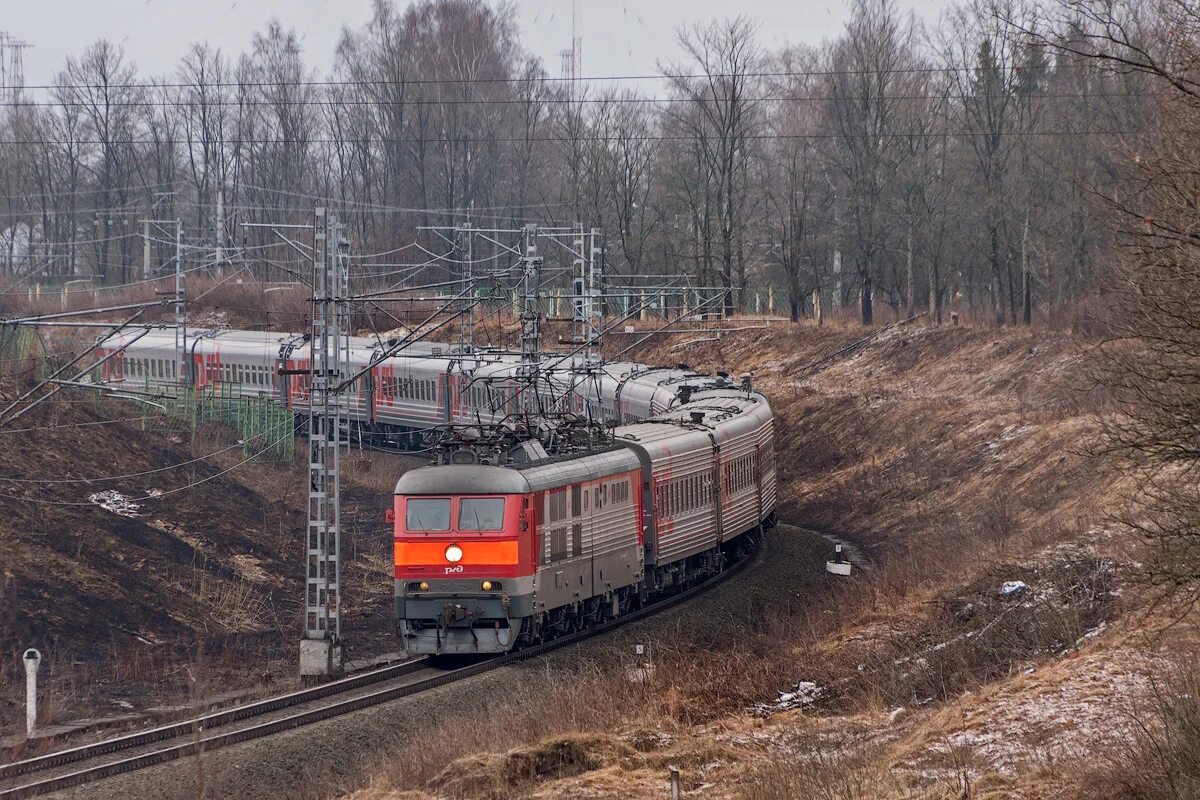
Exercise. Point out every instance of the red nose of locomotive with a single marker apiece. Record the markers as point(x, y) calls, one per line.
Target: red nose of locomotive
point(461, 535)
point(464, 558)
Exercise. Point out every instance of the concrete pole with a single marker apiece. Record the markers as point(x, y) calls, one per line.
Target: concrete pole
point(837, 278)
point(220, 232)
point(146, 243)
point(32, 659)
point(180, 304)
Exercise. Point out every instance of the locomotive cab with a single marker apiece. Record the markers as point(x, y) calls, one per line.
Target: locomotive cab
point(464, 558)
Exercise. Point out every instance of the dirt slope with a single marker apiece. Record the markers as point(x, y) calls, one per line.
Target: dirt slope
point(956, 457)
point(982, 646)
point(198, 580)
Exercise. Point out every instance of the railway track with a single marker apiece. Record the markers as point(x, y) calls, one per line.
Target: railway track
point(134, 751)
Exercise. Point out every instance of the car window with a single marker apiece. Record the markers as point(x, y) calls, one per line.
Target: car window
point(481, 514)
point(428, 514)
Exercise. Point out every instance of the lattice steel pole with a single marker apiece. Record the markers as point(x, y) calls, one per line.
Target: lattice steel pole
point(531, 316)
point(579, 288)
point(181, 358)
point(463, 249)
point(320, 649)
point(595, 308)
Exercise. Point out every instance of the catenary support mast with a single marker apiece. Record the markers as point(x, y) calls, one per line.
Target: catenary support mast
point(321, 648)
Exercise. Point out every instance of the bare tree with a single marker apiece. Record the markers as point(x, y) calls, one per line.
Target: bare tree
point(1149, 364)
point(937, 169)
point(797, 194)
point(204, 103)
point(632, 149)
point(719, 117)
point(865, 83)
point(100, 83)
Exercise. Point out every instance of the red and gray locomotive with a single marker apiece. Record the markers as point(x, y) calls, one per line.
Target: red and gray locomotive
point(494, 556)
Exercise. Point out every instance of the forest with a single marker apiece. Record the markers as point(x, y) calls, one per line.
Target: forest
point(965, 164)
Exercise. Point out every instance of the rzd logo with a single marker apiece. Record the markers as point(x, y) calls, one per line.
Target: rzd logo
point(452, 570)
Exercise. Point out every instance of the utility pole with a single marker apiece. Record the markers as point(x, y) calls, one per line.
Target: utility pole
point(596, 309)
point(321, 647)
point(572, 57)
point(12, 68)
point(180, 306)
point(463, 249)
point(587, 305)
point(579, 288)
point(146, 242)
point(531, 316)
point(220, 232)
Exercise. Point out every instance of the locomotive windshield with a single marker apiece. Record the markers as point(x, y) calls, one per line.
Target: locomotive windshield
point(428, 514)
point(481, 514)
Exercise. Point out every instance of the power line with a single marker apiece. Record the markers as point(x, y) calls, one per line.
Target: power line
point(544, 78)
point(122, 477)
point(91, 423)
point(553, 101)
point(81, 215)
point(652, 138)
point(164, 493)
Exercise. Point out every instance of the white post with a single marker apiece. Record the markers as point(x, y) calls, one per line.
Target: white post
point(180, 308)
point(837, 278)
point(32, 659)
point(146, 245)
point(220, 232)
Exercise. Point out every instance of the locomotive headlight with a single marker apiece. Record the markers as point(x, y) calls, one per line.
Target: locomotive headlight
point(423, 586)
point(486, 586)
point(454, 554)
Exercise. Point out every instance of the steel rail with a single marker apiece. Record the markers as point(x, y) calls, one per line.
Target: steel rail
point(218, 741)
point(206, 721)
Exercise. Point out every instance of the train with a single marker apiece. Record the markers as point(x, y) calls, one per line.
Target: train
point(637, 480)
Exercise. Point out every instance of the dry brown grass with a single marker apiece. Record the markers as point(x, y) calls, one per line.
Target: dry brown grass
point(1160, 757)
point(829, 777)
point(953, 456)
point(505, 775)
point(520, 714)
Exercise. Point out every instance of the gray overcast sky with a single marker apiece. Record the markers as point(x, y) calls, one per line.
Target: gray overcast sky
point(620, 37)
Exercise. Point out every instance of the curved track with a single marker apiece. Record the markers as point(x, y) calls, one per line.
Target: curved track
point(190, 737)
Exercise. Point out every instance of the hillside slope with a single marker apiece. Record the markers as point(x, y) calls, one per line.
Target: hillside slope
point(983, 645)
point(153, 566)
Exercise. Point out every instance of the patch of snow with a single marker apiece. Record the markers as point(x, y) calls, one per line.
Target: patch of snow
point(649, 740)
point(1010, 588)
point(114, 501)
point(804, 693)
point(1014, 432)
point(1008, 434)
point(640, 674)
point(1065, 720)
point(1091, 633)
